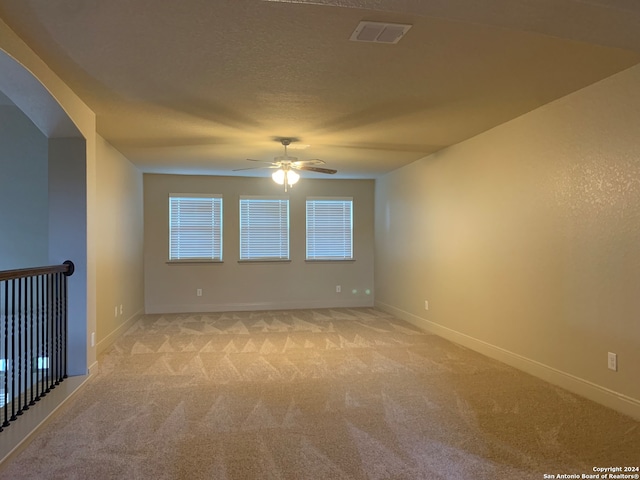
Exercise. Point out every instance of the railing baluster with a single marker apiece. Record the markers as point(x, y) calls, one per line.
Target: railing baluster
point(56, 336)
point(43, 322)
point(51, 345)
point(13, 351)
point(38, 343)
point(18, 397)
point(48, 342)
point(59, 377)
point(5, 357)
point(47, 337)
point(33, 281)
point(65, 326)
point(54, 333)
point(33, 336)
point(25, 345)
point(26, 377)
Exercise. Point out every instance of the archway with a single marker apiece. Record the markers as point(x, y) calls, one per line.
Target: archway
point(43, 156)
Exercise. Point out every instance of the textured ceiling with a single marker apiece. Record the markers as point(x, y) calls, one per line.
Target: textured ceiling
point(198, 86)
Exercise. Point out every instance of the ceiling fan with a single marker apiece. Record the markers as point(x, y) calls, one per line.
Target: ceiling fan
point(286, 166)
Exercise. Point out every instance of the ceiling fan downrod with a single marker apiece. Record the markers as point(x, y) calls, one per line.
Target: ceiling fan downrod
point(285, 143)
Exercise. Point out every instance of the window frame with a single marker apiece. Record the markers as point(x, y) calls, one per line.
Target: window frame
point(286, 224)
point(217, 230)
point(315, 257)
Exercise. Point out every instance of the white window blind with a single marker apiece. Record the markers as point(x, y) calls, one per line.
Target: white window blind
point(264, 228)
point(329, 228)
point(195, 227)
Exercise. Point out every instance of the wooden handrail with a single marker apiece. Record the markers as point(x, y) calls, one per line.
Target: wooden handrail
point(67, 268)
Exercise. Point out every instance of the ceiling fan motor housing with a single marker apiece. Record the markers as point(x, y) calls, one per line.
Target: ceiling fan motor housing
point(286, 159)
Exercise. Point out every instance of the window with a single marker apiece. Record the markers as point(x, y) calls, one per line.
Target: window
point(195, 227)
point(264, 228)
point(329, 228)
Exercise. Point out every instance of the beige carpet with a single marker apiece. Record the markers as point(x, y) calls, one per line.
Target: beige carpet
point(316, 394)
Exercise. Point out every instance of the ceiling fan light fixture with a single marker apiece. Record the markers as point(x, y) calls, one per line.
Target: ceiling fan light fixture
point(278, 176)
point(287, 177)
point(292, 177)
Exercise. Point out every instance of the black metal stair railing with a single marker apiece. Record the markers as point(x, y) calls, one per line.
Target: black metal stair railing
point(33, 336)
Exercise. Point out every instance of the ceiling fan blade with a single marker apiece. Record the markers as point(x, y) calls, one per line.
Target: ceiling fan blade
point(314, 161)
point(255, 168)
point(316, 169)
point(261, 161)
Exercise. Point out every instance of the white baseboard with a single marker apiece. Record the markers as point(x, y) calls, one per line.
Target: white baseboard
point(107, 341)
point(241, 307)
point(93, 368)
point(604, 396)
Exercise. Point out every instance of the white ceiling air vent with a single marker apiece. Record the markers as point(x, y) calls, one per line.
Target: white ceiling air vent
point(379, 32)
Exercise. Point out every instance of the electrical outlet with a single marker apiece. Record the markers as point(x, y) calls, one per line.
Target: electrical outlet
point(612, 361)
point(199, 292)
point(120, 309)
point(426, 305)
point(338, 288)
point(93, 339)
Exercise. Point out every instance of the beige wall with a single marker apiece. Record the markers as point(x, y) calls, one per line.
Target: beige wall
point(525, 241)
point(251, 286)
point(119, 266)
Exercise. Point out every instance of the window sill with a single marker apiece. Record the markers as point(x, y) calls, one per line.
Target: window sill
point(330, 260)
point(192, 262)
point(266, 260)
